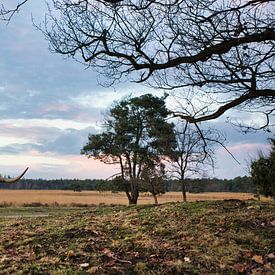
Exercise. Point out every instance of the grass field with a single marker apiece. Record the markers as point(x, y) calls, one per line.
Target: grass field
point(214, 237)
point(25, 197)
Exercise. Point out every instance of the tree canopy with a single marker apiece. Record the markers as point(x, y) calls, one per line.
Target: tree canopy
point(136, 134)
point(221, 51)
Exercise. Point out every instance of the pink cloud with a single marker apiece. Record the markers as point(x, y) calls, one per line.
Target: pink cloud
point(89, 168)
point(86, 116)
point(246, 148)
point(61, 107)
point(73, 167)
point(55, 166)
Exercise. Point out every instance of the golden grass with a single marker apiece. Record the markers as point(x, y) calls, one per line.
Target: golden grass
point(21, 197)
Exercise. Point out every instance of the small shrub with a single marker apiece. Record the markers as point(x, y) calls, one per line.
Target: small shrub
point(5, 204)
point(35, 204)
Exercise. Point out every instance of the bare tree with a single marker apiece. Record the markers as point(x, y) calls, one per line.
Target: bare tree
point(222, 49)
point(194, 153)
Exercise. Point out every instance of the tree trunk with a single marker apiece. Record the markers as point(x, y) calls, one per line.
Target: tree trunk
point(128, 195)
point(133, 198)
point(183, 190)
point(155, 198)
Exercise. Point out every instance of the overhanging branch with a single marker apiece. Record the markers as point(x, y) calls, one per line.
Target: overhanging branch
point(267, 93)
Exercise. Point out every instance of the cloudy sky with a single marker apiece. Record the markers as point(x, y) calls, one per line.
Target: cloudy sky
point(49, 104)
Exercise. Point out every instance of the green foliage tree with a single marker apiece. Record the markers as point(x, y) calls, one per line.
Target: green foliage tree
point(263, 173)
point(135, 131)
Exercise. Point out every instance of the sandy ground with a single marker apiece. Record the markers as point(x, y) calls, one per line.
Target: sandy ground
point(21, 197)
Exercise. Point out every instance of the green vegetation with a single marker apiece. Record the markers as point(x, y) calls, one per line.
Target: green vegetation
point(238, 184)
point(263, 173)
point(225, 237)
point(136, 137)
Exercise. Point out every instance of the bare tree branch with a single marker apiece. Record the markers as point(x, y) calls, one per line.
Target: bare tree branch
point(7, 13)
point(211, 48)
point(11, 180)
point(238, 101)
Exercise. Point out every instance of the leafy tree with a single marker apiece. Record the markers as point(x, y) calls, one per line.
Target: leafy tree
point(263, 173)
point(135, 131)
point(76, 187)
point(223, 51)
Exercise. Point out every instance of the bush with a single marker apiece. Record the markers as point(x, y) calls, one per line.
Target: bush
point(263, 173)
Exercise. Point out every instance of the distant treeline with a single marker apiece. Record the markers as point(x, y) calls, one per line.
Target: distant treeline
point(238, 184)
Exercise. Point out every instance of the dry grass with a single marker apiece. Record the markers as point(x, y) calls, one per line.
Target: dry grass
point(25, 197)
point(217, 237)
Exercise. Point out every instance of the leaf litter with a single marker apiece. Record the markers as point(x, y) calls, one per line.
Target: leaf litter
point(173, 238)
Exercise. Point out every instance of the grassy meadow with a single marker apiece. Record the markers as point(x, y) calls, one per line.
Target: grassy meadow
point(88, 232)
point(210, 237)
point(54, 197)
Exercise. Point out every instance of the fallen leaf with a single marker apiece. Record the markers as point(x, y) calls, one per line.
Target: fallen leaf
point(70, 254)
point(173, 262)
point(108, 252)
point(111, 263)
point(248, 254)
point(187, 259)
point(115, 243)
point(136, 254)
point(271, 256)
point(272, 223)
point(240, 268)
point(255, 271)
point(84, 265)
point(258, 259)
point(269, 266)
point(3, 259)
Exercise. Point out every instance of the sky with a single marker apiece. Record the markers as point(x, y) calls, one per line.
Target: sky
point(49, 104)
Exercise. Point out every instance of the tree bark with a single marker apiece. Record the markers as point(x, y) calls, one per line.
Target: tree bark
point(134, 194)
point(183, 190)
point(155, 199)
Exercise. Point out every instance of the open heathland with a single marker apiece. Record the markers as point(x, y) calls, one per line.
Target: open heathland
point(50, 197)
point(230, 236)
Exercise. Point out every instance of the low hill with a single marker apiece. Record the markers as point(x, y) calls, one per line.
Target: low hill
point(174, 238)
